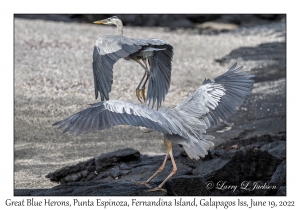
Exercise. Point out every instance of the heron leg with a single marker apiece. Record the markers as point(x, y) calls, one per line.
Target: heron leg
point(144, 88)
point(169, 149)
point(137, 60)
point(140, 92)
point(148, 75)
point(160, 169)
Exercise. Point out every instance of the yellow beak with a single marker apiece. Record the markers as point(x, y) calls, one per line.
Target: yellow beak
point(101, 22)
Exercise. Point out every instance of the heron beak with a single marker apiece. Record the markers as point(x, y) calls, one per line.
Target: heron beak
point(101, 22)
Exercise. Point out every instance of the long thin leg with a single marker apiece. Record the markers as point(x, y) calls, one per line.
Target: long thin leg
point(144, 85)
point(144, 88)
point(146, 72)
point(138, 90)
point(160, 169)
point(140, 93)
point(169, 149)
point(148, 75)
point(137, 60)
point(138, 87)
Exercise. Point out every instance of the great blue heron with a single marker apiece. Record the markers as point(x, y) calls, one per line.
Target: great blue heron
point(153, 52)
point(185, 124)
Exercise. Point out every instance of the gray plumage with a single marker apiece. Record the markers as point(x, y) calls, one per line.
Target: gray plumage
point(185, 124)
point(109, 49)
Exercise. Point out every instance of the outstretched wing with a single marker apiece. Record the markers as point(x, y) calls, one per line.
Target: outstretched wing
point(160, 75)
point(108, 50)
point(218, 99)
point(214, 100)
point(106, 114)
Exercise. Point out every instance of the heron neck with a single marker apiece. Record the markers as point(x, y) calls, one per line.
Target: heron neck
point(119, 25)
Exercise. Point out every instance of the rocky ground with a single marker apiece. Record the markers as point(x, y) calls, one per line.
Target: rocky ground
point(53, 79)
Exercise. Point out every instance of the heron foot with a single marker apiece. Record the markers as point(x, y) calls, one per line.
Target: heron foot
point(141, 183)
point(144, 94)
point(140, 94)
point(156, 189)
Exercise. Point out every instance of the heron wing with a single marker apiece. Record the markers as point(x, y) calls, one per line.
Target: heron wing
point(218, 99)
point(110, 113)
point(160, 75)
point(214, 100)
point(107, 51)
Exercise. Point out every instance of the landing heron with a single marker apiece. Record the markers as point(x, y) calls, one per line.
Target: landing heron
point(155, 54)
point(185, 124)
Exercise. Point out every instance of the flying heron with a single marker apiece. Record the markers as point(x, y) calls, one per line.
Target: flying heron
point(185, 124)
point(155, 54)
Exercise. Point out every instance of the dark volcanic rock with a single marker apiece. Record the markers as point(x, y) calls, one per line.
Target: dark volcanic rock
point(249, 166)
point(281, 191)
point(111, 159)
point(277, 149)
point(246, 167)
point(279, 176)
point(209, 168)
point(122, 188)
point(187, 186)
point(72, 173)
point(93, 168)
point(274, 52)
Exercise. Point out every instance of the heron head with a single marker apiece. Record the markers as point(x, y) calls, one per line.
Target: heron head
point(109, 21)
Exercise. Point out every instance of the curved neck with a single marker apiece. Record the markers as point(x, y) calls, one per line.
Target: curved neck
point(119, 25)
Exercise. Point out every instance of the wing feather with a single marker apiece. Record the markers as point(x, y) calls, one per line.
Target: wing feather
point(160, 75)
point(106, 114)
point(221, 96)
point(107, 51)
